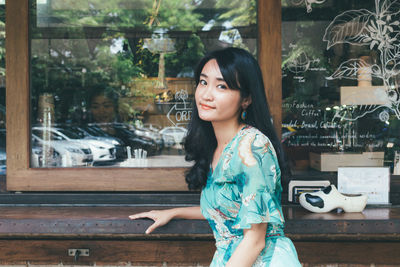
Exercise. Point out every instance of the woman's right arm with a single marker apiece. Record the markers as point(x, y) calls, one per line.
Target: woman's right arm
point(162, 217)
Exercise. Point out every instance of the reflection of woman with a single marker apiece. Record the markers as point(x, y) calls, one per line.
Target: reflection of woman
point(237, 164)
point(103, 110)
point(103, 105)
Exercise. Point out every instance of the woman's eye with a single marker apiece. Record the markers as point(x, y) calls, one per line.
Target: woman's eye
point(222, 86)
point(203, 82)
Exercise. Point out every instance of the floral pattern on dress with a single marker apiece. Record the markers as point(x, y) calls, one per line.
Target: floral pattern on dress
point(243, 191)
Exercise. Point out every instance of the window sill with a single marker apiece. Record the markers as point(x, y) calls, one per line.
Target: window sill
point(111, 222)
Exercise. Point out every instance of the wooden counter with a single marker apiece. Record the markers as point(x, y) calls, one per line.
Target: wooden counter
point(43, 234)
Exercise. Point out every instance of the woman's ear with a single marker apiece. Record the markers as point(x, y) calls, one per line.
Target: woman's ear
point(246, 102)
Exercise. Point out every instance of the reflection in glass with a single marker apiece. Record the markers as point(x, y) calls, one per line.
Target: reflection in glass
point(112, 81)
point(340, 83)
point(3, 157)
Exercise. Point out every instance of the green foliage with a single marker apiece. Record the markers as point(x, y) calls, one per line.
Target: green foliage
point(238, 12)
point(188, 52)
point(77, 44)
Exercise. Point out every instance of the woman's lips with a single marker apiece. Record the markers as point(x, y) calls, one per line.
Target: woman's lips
point(206, 107)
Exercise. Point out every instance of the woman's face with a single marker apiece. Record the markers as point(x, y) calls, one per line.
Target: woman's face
point(102, 109)
point(214, 100)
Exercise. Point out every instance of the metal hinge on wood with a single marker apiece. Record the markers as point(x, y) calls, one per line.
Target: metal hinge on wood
point(77, 252)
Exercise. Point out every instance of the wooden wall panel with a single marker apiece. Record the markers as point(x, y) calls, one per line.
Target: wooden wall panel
point(149, 252)
point(184, 252)
point(17, 83)
point(270, 56)
point(370, 253)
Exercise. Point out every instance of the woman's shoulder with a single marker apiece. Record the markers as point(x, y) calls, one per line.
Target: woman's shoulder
point(254, 137)
point(253, 144)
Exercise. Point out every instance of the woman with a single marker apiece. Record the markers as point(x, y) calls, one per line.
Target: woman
point(237, 159)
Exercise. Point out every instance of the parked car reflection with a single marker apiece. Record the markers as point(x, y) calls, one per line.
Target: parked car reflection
point(38, 158)
point(127, 134)
point(177, 133)
point(102, 151)
point(3, 159)
point(73, 153)
point(149, 133)
point(3, 156)
point(92, 132)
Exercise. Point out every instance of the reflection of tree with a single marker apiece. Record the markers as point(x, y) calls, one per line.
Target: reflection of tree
point(71, 45)
point(238, 12)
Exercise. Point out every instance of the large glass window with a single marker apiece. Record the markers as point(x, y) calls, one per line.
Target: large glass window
point(112, 81)
point(341, 66)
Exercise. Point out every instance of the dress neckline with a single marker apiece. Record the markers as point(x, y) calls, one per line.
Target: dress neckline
point(225, 148)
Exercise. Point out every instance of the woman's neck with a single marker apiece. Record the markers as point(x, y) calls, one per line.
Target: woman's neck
point(225, 131)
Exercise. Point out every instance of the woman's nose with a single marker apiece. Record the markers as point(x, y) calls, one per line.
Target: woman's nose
point(208, 93)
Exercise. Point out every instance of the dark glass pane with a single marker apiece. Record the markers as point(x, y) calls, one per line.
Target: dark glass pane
point(341, 83)
point(112, 81)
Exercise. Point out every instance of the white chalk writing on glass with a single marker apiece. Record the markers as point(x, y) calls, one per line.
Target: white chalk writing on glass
point(378, 30)
point(308, 3)
point(181, 111)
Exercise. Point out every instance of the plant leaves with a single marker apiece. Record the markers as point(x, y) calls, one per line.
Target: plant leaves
point(353, 113)
point(347, 27)
point(349, 69)
point(390, 6)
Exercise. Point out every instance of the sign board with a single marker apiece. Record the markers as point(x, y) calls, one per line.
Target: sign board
point(373, 181)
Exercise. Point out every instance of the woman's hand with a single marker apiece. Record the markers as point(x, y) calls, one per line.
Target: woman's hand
point(160, 218)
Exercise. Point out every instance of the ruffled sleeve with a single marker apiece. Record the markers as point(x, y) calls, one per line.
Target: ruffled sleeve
point(258, 182)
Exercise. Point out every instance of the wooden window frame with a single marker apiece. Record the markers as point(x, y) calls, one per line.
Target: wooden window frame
point(20, 177)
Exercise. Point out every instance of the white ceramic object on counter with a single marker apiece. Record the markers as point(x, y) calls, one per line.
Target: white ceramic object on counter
point(330, 198)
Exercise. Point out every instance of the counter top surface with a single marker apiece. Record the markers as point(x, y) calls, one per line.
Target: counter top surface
point(374, 223)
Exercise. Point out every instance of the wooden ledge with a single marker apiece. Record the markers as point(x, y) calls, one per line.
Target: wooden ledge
point(112, 222)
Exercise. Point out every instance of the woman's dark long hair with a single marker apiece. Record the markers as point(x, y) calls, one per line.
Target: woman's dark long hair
point(241, 72)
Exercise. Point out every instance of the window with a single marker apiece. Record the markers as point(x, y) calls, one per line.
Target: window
point(340, 83)
point(116, 79)
point(134, 53)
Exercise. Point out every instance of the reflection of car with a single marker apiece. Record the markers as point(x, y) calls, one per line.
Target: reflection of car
point(72, 153)
point(133, 140)
point(177, 133)
point(95, 133)
point(3, 159)
point(101, 151)
point(152, 134)
point(38, 160)
point(168, 140)
point(3, 156)
point(123, 132)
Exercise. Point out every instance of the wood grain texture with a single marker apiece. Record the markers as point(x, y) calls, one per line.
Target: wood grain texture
point(97, 179)
point(269, 56)
point(349, 252)
point(106, 252)
point(17, 85)
point(178, 252)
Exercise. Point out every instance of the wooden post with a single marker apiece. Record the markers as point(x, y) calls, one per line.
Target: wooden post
point(270, 55)
point(17, 85)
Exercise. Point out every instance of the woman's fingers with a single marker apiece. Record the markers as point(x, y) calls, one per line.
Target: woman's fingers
point(151, 228)
point(160, 218)
point(140, 215)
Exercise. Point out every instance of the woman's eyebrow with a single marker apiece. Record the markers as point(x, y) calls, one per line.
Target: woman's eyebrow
point(218, 78)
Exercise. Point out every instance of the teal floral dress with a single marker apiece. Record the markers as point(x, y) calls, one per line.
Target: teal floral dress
point(245, 189)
